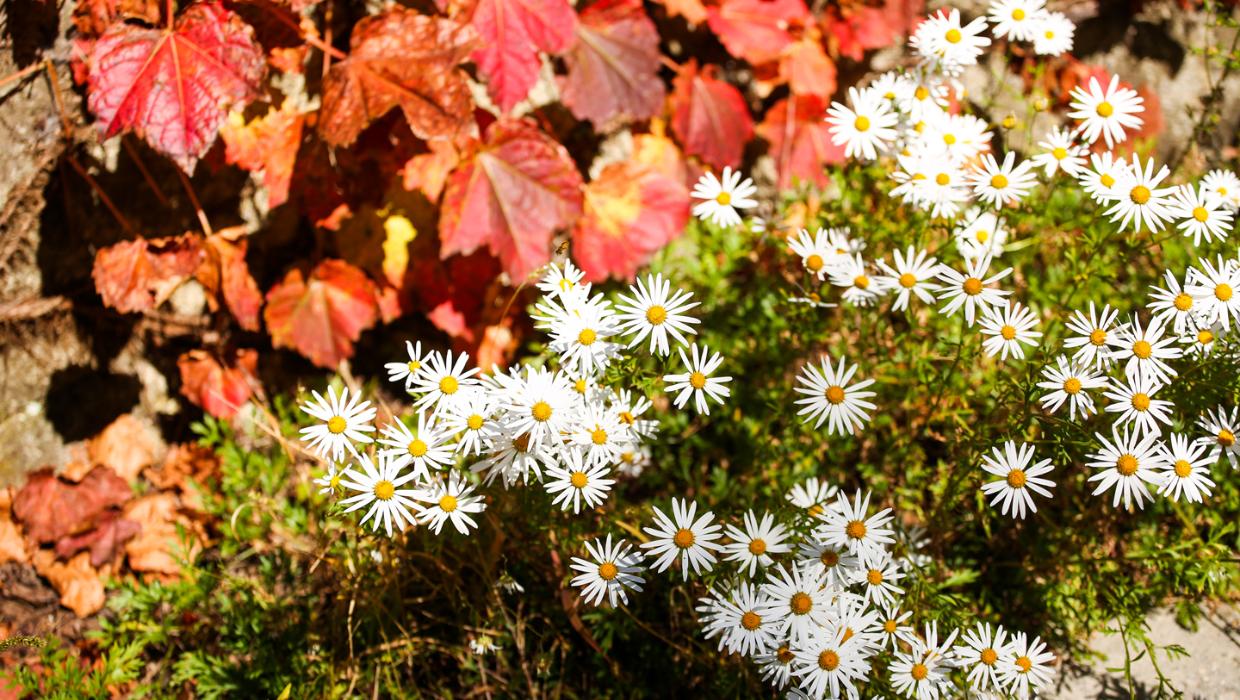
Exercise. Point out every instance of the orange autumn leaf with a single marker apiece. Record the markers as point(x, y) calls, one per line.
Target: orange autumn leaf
point(159, 547)
point(224, 273)
point(126, 446)
point(266, 145)
point(322, 315)
point(141, 274)
point(220, 389)
point(77, 582)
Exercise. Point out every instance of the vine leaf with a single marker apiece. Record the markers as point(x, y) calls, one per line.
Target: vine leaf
point(613, 69)
point(710, 118)
point(322, 315)
point(141, 274)
point(513, 32)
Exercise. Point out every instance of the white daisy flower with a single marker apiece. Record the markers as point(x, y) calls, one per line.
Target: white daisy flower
point(1139, 200)
point(655, 312)
point(866, 127)
point(441, 380)
point(1135, 403)
point(879, 581)
point(423, 450)
point(684, 536)
point(1187, 471)
point(1026, 668)
point(379, 487)
point(600, 434)
point(816, 251)
point(1060, 153)
point(1100, 180)
point(1007, 328)
point(1173, 304)
point(1069, 382)
point(943, 193)
point(1128, 463)
point(813, 496)
point(542, 406)
point(754, 545)
point(1221, 429)
point(698, 383)
point(958, 138)
point(514, 457)
point(582, 337)
point(745, 631)
point(1108, 112)
point(1091, 335)
point(894, 628)
point(451, 499)
point(981, 233)
point(1201, 215)
point(970, 290)
point(577, 482)
point(633, 461)
point(722, 197)
point(1018, 20)
point(1201, 341)
point(1018, 477)
point(831, 563)
point(776, 666)
point(920, 676)
point(831, 397)
point(1146, 350)
point(847, 526)
point(860, 289)
point(629, 407)
point(979, 651)
point(564, 281)
point(471, 419)
point(911, 275)
point(1223, 184)
point(406, 372)
point(922, 96)
point(944, 41)
point(1008, 183)
point(345, 421)
point(1216, 289)
point(796, 602)
point(612, 570)
point(828, 666)
point(1055, 36)
point(329, 482)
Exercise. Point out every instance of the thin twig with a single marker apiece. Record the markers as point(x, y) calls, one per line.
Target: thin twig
point(146, 174)
point(193, 198)
point(103, 196)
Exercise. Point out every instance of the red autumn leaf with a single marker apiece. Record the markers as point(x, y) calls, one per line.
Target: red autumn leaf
point(710, 118)
point(323, 315)
point(175, 86)
point(268, 144)
point(756, 30)
point(631, 212)
point(513, 32)
point(453, 292)
point(399, 58)
point(511, 196)
point(50, 508)
point(94, 17)
point(141, 274)
point(428, 172)
point(807, 69)
point(219, 389)
point(800, 141)
point(109, 536)
point(224, 273)
point(613, 69)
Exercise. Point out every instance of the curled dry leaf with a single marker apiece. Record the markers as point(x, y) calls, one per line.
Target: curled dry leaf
point(127, 446)
point(159, 547)
point(78, 583)
point(613, 68)
point(225, 274)
point(399, 58)
point(220, 389)
point(174, 86)
point(50, 508)
point(103, 542)
point(141, 274)
point(322, 315)
point(12, 543)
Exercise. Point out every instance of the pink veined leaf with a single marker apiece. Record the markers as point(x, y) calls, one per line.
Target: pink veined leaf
point(710, 117)
point(756, 30)
point(512, 33)
point(613, 69)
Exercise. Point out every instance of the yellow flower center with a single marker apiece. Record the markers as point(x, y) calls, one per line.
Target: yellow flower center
point(1105, 109)
point(800, 603)
point(1008, 332)
point(1205, 336)
point(757, 547)
point(1049, 34)
point(829, 558)
point(1126, 464)
point(989, 656)
point(384, 490)
point(750, 620)
point(1139, 194)
point(580, 386)
point(1060, 153)
point(861, 282)
point(1072, 385)
point(1024, 663)
point(1200, 213)
point(413, 366)
point(855, 529)
point(953, 36)
point(1140, 401)
point(1018, 14)
point(683, 538)
point(999, 181)
point(1223, 292)
point(697, 380)
point(608, 571)
point(656, 315)
point(627, 418)
point(785, 655)
point(336, 425)
point(723, 198)
point(541, 411)
point(890, 626)
point(598, 436)
point(828, 660)
point(417, 448)
point(1098, 337)
point(942, 179)
point(578, 480)
point(815, 510)
point(1009, 122)
point(982, 235)
point(1183, 468)
point(474, 422)
point(1106, 180)
point(861, 123)
point(626, 457)
point(921, 92)
point(814, 263)
point(919, 672)
point(835, 394)
point(972, 286)
point(1183, 302)
point(874, 577)
point(447, 503)
point(907, 280)
point(1226, 438)
point(449, 385)
point(587, 336)
point(1142, 349)
point(1017, 479)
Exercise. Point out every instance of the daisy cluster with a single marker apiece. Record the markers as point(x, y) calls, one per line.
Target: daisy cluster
point(557, 426)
